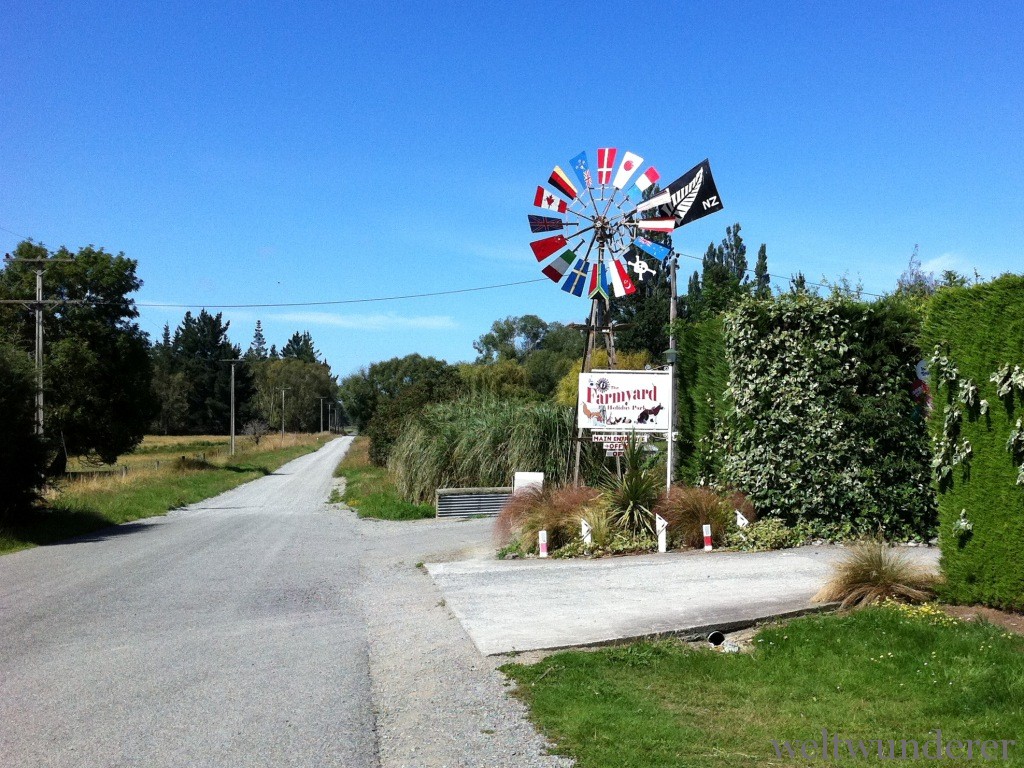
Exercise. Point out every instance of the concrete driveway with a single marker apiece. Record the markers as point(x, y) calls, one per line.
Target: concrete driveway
point(524, 605)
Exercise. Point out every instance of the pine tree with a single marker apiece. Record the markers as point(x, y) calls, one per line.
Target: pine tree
point(300, 346)
point(258, 347)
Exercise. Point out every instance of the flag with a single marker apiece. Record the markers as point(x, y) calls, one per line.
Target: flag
point(630, 162)
point(549, 200)
point(657, 225)
point(692, 196)
point(657, 250)
point(544, 223)
point(598, 280)
point(643, 183)
point(561, 182)
point(556, 268)
point(622, 283)
point(579, 164)
point(605, 161)
point(544, 248)
point(577, 279)
point(661, 198)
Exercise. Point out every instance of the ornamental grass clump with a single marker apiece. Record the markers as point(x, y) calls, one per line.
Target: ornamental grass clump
point(688, 510)
point(872, 571)
point(555, 510)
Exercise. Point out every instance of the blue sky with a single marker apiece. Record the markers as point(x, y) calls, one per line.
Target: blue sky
point(297, 152)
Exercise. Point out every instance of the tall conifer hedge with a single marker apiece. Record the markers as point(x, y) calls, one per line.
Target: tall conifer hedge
point(978, 384)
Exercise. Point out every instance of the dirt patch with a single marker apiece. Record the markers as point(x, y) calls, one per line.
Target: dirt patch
point(1012, 622)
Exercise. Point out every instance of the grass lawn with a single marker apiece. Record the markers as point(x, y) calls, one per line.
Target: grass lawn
point(90, 498)
point(370, 491)
point(882, 673)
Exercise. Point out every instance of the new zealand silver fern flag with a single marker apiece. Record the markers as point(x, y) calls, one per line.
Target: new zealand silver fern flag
point(690, 197)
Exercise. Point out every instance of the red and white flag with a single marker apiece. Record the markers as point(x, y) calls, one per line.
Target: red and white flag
point(657, 225)
point(605, 161)
point(622, 283)
point(629, 165)
point(549, 201)
point(648, 177)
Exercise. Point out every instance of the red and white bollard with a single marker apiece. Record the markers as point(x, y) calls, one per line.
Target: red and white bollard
point(542, 543)
point(707, 538)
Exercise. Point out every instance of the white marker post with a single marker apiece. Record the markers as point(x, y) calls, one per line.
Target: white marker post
point(542, 543)
point(661, 526)
point(585, 532)
point(707, 538)
point(741, 520)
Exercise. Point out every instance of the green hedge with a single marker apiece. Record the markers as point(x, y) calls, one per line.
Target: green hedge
point(820, 430)
point(703, 377)
point(979, 330)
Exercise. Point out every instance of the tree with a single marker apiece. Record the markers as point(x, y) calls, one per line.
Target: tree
point(300, 346)
point(762, 280)
point(258, 346)
point(22, 453)
point(200, 345)
point(170, 388)
point(380, 398)
point(97, 368)
point(305, 383)
point(511, 339)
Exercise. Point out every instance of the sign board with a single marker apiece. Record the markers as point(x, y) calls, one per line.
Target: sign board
point(625, 401)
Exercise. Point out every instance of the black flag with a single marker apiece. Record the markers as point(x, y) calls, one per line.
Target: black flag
point(692, 196)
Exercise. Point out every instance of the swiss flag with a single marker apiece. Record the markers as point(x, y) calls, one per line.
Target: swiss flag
point(605, 161)
point(549, 201)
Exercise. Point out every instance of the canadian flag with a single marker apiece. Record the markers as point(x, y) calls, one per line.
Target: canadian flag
point(629, 165)
point(605, 161)
point(622, 283)
point(549, 201)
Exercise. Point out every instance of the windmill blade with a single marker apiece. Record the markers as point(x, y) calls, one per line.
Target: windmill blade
point(557, 268)
point(629, 165)
point(643, 183)
point(560, 181)
point(657, 225)
point(545, 224)
point(582, 168)
point(549, 201)
point(577, 279)
point(547, 246)
point(605, 161)
point(657, 250)
point(661, 198)
point(622, 283)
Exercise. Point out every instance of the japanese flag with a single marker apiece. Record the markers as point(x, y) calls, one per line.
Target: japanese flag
point(629, 165)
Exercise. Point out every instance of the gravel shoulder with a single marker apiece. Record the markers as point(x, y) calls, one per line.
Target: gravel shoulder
point(438, 701)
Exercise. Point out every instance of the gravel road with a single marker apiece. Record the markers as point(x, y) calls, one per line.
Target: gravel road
point(260, 628)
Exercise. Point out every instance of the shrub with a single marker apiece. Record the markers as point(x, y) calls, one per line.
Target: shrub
point(555, 510)
point(871, 571)
point(631, 498)
point(764, 534)
point(688, 510)
point(820, 425)
point(978, 460)
point(22, 456)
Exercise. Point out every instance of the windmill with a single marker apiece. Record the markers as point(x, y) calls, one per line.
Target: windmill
point(593, 225)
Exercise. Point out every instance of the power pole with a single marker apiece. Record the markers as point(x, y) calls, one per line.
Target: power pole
point(322, 413)
point(38, 305)
point(233, 362)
